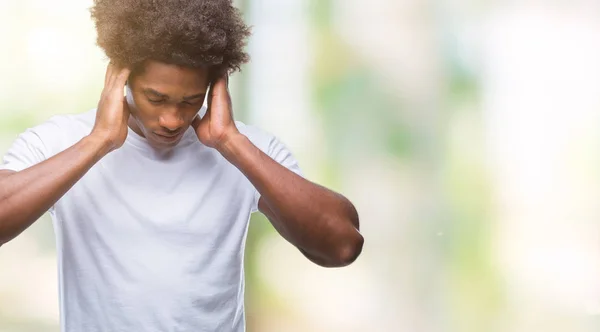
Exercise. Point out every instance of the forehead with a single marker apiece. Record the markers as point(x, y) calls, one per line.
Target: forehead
point(172, 79)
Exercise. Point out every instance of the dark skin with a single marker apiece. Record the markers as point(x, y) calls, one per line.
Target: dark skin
point(162, 101)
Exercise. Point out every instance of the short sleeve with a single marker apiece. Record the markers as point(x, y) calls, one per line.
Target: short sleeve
point(34, 145)
point(271, 146)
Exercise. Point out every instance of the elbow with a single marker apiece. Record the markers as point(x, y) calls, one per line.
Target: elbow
point(351, 241)
point(349, 249)
point(342, 245)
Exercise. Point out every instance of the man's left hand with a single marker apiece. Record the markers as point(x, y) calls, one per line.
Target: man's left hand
point(217, 126)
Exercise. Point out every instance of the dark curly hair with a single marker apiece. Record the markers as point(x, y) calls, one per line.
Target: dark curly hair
point(191, 33)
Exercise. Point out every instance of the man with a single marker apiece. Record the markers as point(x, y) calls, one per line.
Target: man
point(149, 194)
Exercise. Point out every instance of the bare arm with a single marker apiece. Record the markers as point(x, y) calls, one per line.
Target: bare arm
point(26, 195)
point(322, 224)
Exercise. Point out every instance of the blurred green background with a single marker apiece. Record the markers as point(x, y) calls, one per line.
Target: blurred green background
point(466, 132)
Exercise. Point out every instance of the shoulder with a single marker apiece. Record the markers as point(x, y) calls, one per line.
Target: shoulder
point(61, 130)
point(81, 123)
point(251, 130)
point(259, 137)
point(67, 124)
point(270, 144)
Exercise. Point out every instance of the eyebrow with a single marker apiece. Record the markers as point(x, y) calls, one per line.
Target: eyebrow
point(196, 96)
point(155, 93)
point(162, 95)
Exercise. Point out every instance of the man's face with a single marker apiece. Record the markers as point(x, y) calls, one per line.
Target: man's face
point(164, 99)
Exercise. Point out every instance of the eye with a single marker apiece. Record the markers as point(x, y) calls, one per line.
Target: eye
point(156, 102)
point(189, 103)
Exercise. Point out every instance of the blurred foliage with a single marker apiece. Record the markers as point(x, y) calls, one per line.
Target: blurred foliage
point(476, 295)
point(359, 115)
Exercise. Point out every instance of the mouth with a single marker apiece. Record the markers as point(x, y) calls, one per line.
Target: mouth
point(169, 138)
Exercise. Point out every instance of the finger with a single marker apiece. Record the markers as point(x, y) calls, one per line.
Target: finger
point(220, 84)
point(117, 81)
point(108, 74)
point(218, 91)
point(121, 78)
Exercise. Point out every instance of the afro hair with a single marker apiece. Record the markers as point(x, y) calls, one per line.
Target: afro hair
point(192, 33)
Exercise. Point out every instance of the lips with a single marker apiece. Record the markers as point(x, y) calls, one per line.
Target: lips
point(168, 138)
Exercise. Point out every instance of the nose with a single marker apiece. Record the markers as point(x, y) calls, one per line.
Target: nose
point(171, 123)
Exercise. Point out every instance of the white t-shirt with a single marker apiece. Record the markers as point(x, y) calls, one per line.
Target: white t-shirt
point(148, 241)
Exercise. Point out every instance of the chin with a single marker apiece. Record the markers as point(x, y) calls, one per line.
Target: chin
point(157, 144)
point(163, 145)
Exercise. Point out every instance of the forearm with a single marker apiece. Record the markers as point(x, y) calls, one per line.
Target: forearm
point(26, 195)
point(320, 222)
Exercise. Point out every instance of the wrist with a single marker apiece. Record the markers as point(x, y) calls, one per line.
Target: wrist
point(100, 144)
point(232, 144)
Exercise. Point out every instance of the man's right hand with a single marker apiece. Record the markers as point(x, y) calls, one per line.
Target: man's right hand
point(112, 114)
point(27, 194)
